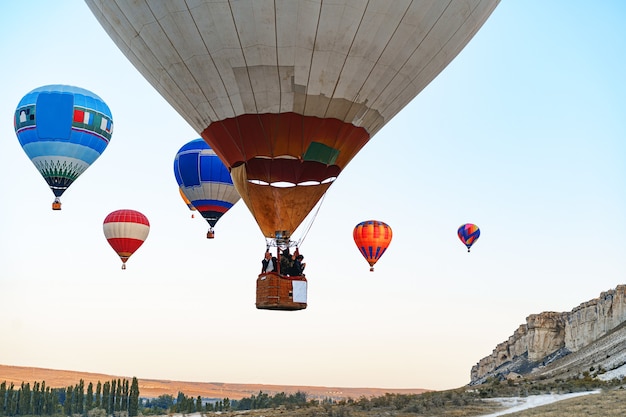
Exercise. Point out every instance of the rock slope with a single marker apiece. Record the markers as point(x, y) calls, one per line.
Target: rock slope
point(592, 335)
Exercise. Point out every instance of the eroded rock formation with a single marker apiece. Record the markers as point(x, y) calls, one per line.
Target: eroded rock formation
point(550, 335)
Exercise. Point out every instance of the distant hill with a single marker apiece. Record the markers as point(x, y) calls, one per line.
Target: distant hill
point(152, 388)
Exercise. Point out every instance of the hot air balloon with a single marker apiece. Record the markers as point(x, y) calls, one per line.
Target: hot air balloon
point(372, 237)
point(469, 234)
point(126, 230)
point(286, 92)
point(63, 130)
point(204, 181)
point(186, 200)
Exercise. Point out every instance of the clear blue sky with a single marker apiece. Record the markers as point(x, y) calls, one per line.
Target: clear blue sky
point(524, 134)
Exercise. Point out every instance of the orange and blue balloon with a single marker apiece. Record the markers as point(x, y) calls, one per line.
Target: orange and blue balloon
point(372, 237)
point(205, 181)
point(63, 130)
point(469, 234)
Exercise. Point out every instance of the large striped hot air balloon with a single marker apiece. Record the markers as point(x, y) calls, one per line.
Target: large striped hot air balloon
point(63, 130)
point(286, 92)
point(205, 181)
point(372, 237)
point(126, 230)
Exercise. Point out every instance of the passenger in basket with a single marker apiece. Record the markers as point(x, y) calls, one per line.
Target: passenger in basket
point(286, 262)
point(298, 266)
point(269, 263)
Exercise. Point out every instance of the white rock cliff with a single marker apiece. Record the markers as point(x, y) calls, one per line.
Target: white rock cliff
point(551, 334)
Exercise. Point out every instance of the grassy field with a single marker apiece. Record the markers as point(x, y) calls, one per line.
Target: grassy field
point(607, 403)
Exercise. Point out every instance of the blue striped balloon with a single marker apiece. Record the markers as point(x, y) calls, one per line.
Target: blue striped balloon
point(63, 130)
point(205, 181)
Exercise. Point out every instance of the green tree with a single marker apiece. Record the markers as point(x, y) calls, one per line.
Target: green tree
point(118, 396)
point(163, 402)
point(67, 404)
point(106, 392)
point(12, 400)
point(98, 400)
point(3, 393)
point(80, 397)
point(36, 399)
point(24, 405)
point(51, 401)
point(112, 396)
point(133, 398)
point(89, 398)
point(124, 405)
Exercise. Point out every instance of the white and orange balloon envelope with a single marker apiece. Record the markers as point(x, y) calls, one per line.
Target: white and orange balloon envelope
point(126, 230)
point(286, 92)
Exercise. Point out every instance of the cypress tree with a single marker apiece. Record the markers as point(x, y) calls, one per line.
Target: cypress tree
point(112, 397)
point(24, 405)
point(106, 390)
point(35, 400)
point(80, 397)
point(118, 396)
point(14, 396)
point(51, 401)
point(3, 393)
point(67, 404)
point(124, 406)
point(133, 399)
point(89, 399)
point(98, 395)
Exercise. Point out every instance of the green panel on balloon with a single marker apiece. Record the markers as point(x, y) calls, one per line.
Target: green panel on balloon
point(321, 153)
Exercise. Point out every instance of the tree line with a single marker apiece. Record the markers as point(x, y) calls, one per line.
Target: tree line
point(185, 405)
point(115, 397)
point(167, 404)
point(120, 398)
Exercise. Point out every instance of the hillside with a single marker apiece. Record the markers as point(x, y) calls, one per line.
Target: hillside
point(560, 345)
point(153, 388)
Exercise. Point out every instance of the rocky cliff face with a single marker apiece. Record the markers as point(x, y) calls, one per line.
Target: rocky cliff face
point(550, 335)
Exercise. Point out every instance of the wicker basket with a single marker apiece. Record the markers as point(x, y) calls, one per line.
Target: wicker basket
point(277, 292)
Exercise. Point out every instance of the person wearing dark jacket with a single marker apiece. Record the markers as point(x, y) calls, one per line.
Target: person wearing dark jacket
point(270, 264)
point(286, 262)
point(298, 266)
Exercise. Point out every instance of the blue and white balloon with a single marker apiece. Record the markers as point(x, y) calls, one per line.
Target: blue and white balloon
point(63, 130)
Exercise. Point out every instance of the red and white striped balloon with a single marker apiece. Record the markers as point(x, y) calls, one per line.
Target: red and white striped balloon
point(126, 230)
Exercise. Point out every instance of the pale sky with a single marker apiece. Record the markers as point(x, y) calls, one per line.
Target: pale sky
point(524, 134)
